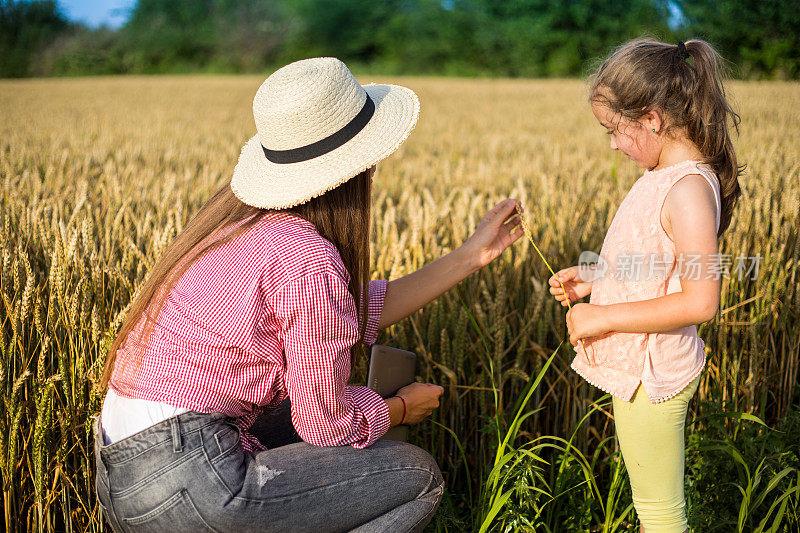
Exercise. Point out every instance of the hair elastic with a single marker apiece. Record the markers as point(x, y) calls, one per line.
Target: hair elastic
point(682, 50)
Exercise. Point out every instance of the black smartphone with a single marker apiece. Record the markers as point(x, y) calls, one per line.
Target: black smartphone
point(391, 369)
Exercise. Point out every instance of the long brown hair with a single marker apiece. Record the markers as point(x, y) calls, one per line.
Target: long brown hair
point(341, 215)
point(644, 74)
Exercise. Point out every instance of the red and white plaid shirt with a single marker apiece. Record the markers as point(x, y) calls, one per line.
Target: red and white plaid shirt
point(264, 316)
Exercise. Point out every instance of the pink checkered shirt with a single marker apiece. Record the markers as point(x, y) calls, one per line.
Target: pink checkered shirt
point(264, 316)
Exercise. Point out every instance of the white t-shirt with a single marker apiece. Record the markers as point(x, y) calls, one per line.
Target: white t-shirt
point(122, 417)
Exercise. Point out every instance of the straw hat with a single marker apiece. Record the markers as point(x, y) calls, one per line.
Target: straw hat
point(317, 128)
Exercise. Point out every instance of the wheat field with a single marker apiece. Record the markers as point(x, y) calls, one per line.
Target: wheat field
point(100, 174)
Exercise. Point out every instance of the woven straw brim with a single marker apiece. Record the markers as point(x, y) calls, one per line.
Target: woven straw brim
point(260, 183)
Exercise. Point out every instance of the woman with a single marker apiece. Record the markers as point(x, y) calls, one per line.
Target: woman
point(265, 297)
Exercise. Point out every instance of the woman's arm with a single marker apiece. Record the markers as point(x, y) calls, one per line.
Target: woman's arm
point(318, 321)
point(690, 209)
point(496, 232)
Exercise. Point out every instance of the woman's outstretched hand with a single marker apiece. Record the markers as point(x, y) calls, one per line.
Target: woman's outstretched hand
point(575, 286)
point(498, 229)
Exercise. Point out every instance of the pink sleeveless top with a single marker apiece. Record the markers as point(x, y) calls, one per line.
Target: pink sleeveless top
point(638, 262)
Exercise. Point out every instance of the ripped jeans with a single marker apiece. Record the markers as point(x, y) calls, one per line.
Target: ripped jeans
point(190, 473)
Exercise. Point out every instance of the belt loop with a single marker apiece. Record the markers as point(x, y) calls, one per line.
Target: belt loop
point(177, 441)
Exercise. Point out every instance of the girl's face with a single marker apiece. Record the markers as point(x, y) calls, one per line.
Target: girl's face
point(631, 137)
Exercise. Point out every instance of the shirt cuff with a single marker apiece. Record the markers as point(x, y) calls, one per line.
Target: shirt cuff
point(377, 295)
point(375, 411)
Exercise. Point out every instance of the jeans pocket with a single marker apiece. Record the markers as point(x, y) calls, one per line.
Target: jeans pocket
point(229, 466)
point(178, 513)
point(227, 438)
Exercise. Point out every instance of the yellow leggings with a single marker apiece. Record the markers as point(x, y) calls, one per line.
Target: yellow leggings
point(652, 444)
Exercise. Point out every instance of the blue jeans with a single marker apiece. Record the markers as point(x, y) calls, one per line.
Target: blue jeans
point(190, 473)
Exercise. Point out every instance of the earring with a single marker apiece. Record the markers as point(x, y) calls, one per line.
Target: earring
point(654, 130)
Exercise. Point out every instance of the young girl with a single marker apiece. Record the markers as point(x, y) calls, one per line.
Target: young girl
point(664, 107)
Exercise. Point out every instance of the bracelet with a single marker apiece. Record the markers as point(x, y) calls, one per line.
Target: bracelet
point(402, 419)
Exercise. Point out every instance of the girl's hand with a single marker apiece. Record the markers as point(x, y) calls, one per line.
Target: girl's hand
point(421, 399)
point(496, 232)
point(586, 320)
point(576, 287)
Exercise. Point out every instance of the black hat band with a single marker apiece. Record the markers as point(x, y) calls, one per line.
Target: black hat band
point(328, 144)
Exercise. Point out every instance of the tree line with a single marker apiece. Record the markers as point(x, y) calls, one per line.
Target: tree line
point(516, 38)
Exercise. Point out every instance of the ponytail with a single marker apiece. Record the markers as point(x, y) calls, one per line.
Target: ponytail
point(685, 82)
point(707, 125)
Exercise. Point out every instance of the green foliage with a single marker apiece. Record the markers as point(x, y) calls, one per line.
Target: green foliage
point(25, 28)
point(531, 38)
point(85, 52)
point(761, 36)
point(546, 483)
point(544, 38)
point(742, 475)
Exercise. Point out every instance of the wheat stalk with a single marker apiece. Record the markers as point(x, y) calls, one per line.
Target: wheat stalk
point(528, 234)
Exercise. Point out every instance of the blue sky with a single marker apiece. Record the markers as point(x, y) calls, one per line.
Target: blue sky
point(95, 13)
